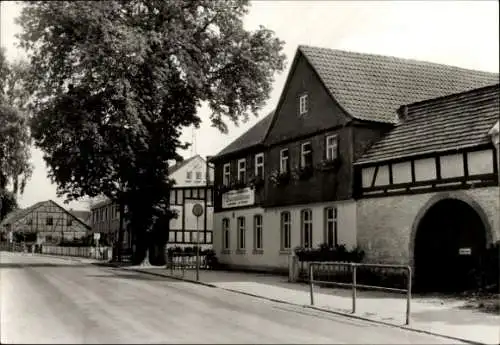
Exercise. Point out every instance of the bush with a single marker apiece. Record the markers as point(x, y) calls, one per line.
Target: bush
point(325, 253)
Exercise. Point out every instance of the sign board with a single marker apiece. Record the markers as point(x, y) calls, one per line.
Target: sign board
point(97, 236)
point(237, 198)
point(197, 210)
point(464, 251)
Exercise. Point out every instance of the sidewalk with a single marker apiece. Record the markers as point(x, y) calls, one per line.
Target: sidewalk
point(449, 317)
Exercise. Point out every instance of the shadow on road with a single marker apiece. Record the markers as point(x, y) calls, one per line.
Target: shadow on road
point(135, 276)
point(35, 265)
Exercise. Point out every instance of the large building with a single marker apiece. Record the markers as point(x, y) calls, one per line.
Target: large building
point(291, 180)
point(191, 187)
point(50, 222)
point(429, 192)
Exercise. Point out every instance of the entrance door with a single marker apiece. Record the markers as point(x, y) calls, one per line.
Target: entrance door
point(449, 243)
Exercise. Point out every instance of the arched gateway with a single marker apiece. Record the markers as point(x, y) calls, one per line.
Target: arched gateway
point(449, 236)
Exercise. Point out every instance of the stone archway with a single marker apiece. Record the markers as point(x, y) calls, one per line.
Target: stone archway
point(448, 238)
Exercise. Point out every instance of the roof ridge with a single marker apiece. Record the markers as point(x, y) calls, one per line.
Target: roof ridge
point(396, 58)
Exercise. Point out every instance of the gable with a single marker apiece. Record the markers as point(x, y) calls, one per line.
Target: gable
point(322, 110)
point(44, 207)
point(196, 166)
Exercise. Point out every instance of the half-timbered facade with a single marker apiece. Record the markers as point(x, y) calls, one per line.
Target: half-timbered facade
point(49, 221)
point(429, 192)
point(193, 185)
point(333, 107)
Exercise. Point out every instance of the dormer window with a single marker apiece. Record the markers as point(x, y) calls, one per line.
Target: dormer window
point(303, 106)
point(226, 177)
point(242, 170)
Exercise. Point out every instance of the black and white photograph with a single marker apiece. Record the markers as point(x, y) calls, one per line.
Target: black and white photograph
point(249, 172)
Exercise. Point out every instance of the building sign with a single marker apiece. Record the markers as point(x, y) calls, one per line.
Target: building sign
point(464, 251)
point(238, 198)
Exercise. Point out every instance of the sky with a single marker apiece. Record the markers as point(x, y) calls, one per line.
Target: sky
point(459, 33)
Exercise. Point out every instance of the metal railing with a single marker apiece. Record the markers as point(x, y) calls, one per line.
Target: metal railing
point(354, 285)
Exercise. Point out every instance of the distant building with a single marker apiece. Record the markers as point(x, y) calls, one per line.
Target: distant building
point(51, 222)
point(191, 187)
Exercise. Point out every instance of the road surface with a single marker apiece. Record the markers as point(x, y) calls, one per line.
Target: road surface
point(52, 300)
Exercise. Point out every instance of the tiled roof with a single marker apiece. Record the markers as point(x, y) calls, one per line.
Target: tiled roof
point(452, 122)
point(251, 137)
point(372, 87)
point(179, 165)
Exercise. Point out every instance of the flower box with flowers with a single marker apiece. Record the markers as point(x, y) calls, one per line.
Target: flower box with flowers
point(222, 188)
point(238, 184)
point(303, 173)
point(329, 164)
point(256, 182)
point(279, 178)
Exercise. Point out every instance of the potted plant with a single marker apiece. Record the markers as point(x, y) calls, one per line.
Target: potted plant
point(329, 164)
point(303, 173)
point(279, 178)
point(256, 182)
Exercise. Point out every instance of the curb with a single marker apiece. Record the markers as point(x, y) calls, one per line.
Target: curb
point(404, 327)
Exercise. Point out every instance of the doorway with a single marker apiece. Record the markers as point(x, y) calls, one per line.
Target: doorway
point(450, 241)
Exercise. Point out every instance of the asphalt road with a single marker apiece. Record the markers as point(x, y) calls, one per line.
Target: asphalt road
point(52, 300)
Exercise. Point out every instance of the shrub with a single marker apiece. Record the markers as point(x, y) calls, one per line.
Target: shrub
point(324, 253)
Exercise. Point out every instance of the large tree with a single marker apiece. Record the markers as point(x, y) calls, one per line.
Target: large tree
point(15, 168)
point(117, 81)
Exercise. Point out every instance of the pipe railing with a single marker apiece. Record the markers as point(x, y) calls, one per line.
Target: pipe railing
point(354, 284)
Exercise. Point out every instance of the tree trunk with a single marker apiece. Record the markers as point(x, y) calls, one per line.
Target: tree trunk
point(119, 245)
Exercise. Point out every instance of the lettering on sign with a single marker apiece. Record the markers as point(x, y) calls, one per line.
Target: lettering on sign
point(464, 251)
point(237, 198)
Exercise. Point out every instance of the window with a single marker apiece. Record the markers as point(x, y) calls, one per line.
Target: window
point(285, 231)
point(29, 221)
point(226, 174)
point(305, 155)
point(241, 233)
point(331, 227)
point(69, 222)
point(257, 232)
point(189, 175)
point(259, 165)
point(303, 104)
point(306, 220)
point(106, 213)
point(331, 147)
point(284, 161)
point(242, 170)
point(198, 175)
point(225, 234)
point(49, 220)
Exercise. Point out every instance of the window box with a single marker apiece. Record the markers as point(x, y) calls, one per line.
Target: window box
point(241, 251)
point(256, 182)
point(303, 173)
point(238, 184)
point(221, 189)
point(329, 164)
point(258, 251)
point(279, 179)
